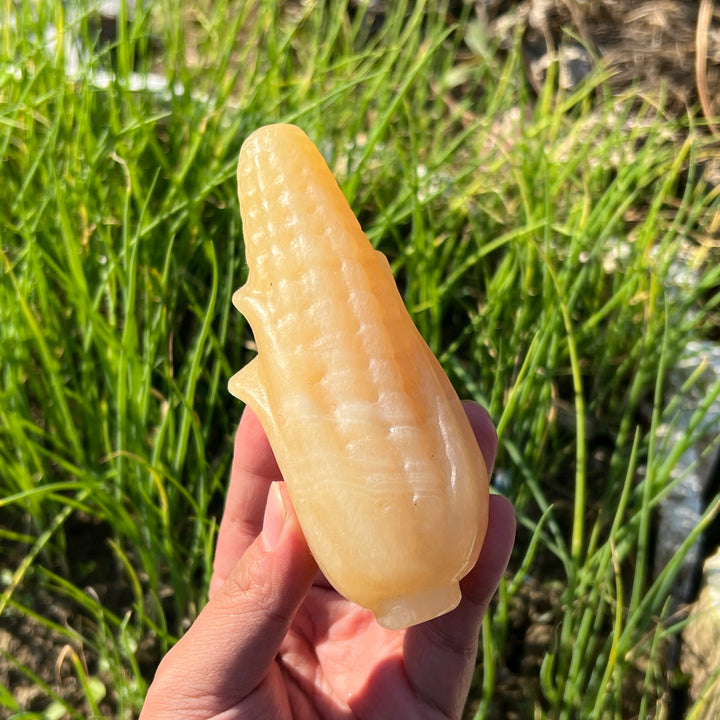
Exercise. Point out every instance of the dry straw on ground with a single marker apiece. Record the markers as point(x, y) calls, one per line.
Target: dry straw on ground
point(667, 48)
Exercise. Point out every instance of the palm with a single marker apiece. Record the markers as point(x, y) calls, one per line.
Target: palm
point(332, 651)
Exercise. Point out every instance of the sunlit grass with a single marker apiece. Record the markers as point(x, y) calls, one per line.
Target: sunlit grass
point(534, 240)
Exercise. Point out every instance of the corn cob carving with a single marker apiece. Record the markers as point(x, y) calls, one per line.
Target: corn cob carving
point(381, 463)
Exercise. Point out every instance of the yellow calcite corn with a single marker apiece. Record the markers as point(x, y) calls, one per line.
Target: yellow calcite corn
point(380, 461)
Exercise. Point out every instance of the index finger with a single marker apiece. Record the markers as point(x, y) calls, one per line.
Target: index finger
point(254, 468)
point(485, 432)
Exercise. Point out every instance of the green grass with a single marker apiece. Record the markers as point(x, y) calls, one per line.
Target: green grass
point(501, 213)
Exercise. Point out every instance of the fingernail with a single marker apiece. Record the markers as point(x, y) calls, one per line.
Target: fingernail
point(274, 518)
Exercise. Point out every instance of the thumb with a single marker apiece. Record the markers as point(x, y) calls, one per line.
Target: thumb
point(232, 644)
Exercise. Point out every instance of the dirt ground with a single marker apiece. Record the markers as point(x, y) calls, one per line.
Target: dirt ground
point(668, 48)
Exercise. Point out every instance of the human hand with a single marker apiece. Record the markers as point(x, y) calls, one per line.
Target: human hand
point(276, 641)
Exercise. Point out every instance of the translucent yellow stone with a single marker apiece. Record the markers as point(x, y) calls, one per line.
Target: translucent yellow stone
point(380, 460)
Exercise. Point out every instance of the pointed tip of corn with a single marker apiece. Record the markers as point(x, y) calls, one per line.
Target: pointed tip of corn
point(267, 137)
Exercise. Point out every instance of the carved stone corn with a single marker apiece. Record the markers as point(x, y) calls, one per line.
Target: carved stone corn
point(380, 460)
